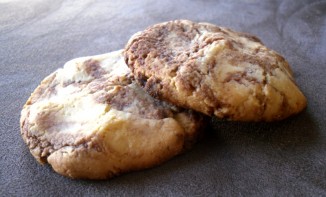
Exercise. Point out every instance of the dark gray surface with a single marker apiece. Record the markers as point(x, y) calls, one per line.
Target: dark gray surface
point(286, 158)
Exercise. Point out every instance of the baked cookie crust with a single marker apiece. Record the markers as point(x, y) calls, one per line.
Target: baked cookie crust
point(90, 120)
point(214, 70)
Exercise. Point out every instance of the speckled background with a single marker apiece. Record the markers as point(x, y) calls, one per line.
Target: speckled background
point(286, 158)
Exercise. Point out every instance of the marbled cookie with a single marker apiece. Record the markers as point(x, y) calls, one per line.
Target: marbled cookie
point(214, 70)
point(89, 120)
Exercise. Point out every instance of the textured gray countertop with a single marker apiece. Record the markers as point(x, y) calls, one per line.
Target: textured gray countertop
point(286, 158)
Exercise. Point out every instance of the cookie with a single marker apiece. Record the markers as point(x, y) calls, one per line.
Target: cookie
point(90, 120)
point(214, 70)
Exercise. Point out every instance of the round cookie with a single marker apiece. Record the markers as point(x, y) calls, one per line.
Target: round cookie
point(213, 70)
point(89, 120)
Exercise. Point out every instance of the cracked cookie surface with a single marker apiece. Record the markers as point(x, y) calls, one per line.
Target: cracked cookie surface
point(90, 120)
point(213, 70)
